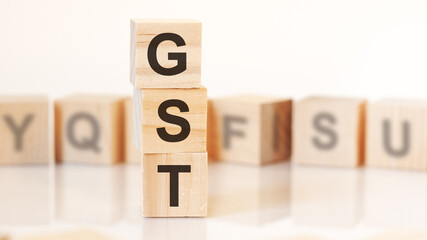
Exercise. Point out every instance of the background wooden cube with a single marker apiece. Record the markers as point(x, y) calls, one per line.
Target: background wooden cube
point(158, 201)
point(24, 127)
point(89, 129)
point(151, 126)
point(66, 235)
point(397, 134)
point(249, 129)
point(144, 73)
point(329, 131)
point(131, 152)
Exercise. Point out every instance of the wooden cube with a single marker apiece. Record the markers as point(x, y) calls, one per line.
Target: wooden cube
point(24, 130)
point(174, 185)
point(67, 235)
point(329, 131)
point(89, 129)
point(249, 129)
point(397, 134)
point(170, 120)
point(166, 53)
point(131, 152)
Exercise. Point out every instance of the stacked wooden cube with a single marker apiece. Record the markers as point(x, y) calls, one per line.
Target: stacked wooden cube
point(170, 116)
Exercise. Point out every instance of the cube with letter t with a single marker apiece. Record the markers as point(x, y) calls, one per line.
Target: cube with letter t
point(329, 131)
point(175, 184)
point(24, 130)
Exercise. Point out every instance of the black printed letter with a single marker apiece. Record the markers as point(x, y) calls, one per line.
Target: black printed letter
point(174, 171)
point(181, 58)
point(182, 122)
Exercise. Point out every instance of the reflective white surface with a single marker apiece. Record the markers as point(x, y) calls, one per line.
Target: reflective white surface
point(245, 202)
point(26, 195)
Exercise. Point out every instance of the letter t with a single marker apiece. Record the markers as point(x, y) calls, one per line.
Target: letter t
point(174, 171)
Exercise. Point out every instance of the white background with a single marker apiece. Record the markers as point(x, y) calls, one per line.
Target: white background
point(366, 48)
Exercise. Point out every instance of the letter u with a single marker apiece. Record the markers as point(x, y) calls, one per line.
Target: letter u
point(406, 132)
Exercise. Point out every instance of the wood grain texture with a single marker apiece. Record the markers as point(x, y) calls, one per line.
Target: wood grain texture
point(24, 130)
point(192, 185)
point(329, 131)
point(131, 152)
point(249, 129)
point(386, 134)
point(147, 104)
point(97, 127)
point(67, 235)
point(143, 31)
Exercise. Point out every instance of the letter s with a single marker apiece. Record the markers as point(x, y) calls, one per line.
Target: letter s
point(317, 124)
point(182, 122)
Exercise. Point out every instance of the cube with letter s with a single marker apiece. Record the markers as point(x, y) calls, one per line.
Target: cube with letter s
point(329, 131)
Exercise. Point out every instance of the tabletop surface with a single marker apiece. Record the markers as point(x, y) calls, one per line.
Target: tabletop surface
point(278, 201)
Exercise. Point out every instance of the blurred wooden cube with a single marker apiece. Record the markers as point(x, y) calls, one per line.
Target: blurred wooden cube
point(25, 132)
point(249, 129)
point(171, 120)
point(166, 53)
point(89, 129)
point(131, 152)
point(329, 131)
point(67, 235)
point(397, 134)
point(175, 185)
